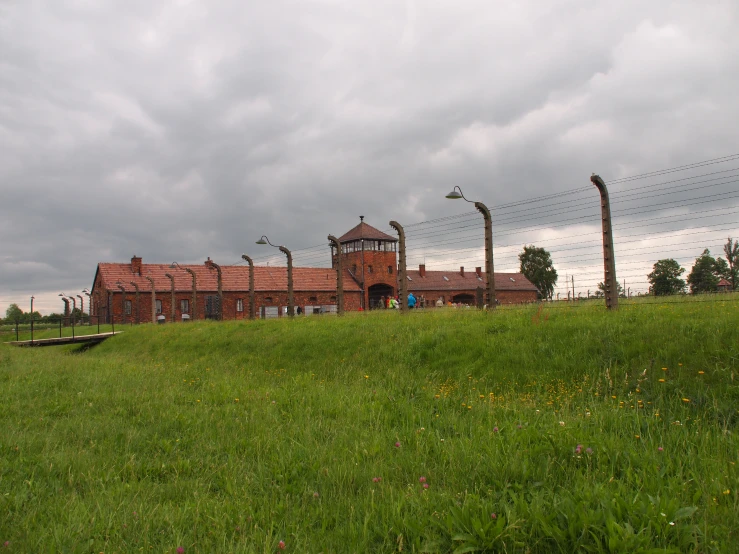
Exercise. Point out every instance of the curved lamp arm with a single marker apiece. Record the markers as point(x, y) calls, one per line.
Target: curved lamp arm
point(290, 296)
point(489, 269)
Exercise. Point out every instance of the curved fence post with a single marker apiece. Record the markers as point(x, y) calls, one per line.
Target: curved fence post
point(252, 298)
point(339, 276)
point(403, 281)
point(609, 258)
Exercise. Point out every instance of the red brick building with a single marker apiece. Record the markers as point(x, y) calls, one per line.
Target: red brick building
point(461, 287)
point(369, 261)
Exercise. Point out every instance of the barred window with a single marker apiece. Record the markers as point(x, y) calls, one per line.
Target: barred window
point(159, 306)
point(239, 304)
point(127, 307)
point(185, 306)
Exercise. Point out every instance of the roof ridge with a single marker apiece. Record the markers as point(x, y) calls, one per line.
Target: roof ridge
point(365, 231)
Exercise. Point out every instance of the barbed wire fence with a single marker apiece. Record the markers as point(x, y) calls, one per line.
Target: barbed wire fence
point(672, 213)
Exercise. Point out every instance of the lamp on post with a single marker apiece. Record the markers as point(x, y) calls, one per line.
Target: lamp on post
point(193, 308)
point(153, 299)
point(483, 209)
point(252, 302)
point(172, 306)
point(339, 275)
point(220, 288)
point(290, 299)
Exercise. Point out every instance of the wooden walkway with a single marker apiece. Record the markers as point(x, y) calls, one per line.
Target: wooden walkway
point(80, 339)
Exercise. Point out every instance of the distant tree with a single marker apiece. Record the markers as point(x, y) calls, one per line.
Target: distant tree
point(665, 278)
point(721, 269)
point(703, 277)
point(537, 267)
point(731, 249)
point(601, 292)
point(13, 314)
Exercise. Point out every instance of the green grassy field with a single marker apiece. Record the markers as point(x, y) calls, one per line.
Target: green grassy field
point(525, 430)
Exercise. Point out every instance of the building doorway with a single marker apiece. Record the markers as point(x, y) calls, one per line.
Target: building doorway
point(212, 307)
point(465, 298)
point(376, 292)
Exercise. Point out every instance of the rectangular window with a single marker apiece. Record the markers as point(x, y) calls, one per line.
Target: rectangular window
point(239, 305)
point(370, 269)
point(128, 307)
point(185, 306)
point(390, 269)
point(159, 306)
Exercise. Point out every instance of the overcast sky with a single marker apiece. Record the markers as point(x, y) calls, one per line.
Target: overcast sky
point(177, 130)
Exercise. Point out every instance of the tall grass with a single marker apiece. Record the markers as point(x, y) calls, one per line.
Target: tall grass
point(525, 430)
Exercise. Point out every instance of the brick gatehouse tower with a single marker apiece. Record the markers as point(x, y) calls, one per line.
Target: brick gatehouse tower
point(371, 258)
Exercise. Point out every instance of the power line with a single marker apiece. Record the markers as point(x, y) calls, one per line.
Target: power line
point(714, 161)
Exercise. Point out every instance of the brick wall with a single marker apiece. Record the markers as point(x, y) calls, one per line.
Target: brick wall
point(504, 297)
point(230, 299)
point(376, 264)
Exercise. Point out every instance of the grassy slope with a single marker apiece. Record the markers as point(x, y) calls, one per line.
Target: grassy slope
point(230, 437)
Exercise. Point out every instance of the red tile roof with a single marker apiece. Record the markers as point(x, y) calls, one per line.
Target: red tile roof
point(723, 283)
point(435, 280)
point(235, 278)
point(365, 231)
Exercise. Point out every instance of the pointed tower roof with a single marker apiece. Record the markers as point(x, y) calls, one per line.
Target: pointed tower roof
point(365, 231)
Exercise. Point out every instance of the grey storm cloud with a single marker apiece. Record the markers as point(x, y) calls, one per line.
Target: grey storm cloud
point(183, 129)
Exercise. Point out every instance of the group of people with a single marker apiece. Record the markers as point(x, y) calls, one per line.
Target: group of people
point(393, 302)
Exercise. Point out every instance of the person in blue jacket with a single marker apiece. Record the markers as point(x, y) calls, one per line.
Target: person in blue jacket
point(411, 300)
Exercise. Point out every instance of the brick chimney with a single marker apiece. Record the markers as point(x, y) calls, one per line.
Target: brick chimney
point(209, 263)
point(461, 271)
point(422, 270)
point(136, 265)
point(478, 270)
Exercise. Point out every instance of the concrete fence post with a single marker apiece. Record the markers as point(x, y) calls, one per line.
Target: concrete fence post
point(138, 304)
point(220, 289)
point(153, 300)
point(609, 258)
point(252, 296)
point(402, 278)
point(339, 276)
